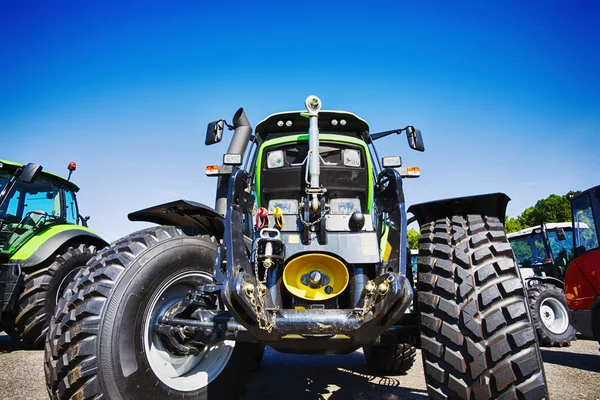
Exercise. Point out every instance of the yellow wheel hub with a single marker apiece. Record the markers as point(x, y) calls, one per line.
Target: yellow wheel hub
point(315, 277)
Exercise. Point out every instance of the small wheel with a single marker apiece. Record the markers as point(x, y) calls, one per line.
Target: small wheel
point(477, 338)
point(42, 290)
point(104, 326)
point(550, 316)
point(394, 359)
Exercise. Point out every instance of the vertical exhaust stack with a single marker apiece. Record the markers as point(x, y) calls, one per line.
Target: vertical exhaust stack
point(241, 135)
point(238, 145)
point(313, 106)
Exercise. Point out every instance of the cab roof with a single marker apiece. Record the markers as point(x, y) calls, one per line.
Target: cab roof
point(269, 128)
point(549, 226)
point(12, 166)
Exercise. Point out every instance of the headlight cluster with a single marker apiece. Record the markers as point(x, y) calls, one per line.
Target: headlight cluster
point(351, 158)
point(275, 159)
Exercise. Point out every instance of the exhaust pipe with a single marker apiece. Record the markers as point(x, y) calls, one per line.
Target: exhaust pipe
point(241, 136)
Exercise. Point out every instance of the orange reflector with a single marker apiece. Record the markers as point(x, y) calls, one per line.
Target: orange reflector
point(547, 260)
point(212, 170)
point(416, 170)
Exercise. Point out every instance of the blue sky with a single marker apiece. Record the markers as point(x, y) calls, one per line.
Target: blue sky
point(505, 93)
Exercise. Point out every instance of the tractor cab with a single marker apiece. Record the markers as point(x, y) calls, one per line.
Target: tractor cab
point(544, 250)
point(30, 202)
point(582, 281)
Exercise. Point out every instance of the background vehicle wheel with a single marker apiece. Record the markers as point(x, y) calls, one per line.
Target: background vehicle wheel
point(101, 341)
point(550, 316)
point(42, 289)
point(395, 358)
point(476, 333)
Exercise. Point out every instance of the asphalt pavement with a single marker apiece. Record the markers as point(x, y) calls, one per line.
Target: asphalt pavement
point(572, 373)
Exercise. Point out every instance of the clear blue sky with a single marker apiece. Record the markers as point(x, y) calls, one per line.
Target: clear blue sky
point(507, 94)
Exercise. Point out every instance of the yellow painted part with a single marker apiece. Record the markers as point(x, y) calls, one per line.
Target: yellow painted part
point(330, 266)
point(278, 216)
point(334, 337)
point(387, 252)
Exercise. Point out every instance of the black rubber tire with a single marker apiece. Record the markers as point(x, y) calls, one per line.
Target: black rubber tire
point(37, 302)
point(96, 332)
point(536, 294)
point(390, 359)
point(477, 338)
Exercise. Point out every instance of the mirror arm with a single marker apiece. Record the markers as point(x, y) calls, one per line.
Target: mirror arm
point(379, 135)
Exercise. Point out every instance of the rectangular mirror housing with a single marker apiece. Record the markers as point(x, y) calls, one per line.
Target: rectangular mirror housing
point(30, 173)
point(214, 132)
point(415, 139)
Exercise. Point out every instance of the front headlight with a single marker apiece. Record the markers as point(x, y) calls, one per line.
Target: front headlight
point(275, 159)
point(344, 206)
point(351, 158)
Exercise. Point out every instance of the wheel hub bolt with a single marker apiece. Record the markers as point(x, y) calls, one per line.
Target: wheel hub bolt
point(314, 278)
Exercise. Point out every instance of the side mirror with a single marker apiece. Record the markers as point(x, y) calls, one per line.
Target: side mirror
point(30, 173)
point(391, 162)
point(560, 234)
point(415, 140)
point(214, 132)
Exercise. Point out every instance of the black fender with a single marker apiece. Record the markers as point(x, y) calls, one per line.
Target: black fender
point(69, 237)
point(491, 205)
point(183, 213)
point(545, 279)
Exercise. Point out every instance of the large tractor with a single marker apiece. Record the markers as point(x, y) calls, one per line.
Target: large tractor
point(44, 241)
point(582, 280)
point(305, 251)
point(543, 253)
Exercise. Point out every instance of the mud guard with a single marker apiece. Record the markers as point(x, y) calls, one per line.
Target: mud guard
point(55, 242)
point(491, 205)
point(545, 279)
point(183, 213)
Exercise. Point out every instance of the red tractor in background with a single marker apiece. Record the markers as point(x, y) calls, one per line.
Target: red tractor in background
point(582, 279)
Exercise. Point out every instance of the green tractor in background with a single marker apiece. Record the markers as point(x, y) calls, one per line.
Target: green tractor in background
point(44, 241)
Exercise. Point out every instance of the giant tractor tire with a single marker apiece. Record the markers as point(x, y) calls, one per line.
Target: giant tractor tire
point(548, 308)
point(477, 337)
point(102, 344)
point(42, 289)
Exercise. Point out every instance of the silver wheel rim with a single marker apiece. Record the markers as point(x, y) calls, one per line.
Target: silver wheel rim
point(182, 373)
point(554, 315)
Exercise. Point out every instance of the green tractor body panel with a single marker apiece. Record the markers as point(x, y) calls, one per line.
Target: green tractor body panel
point(324, 138)
point(42, 245)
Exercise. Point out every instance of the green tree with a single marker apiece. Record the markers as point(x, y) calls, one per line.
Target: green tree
point(512, 225)
point(553, 208)
point(413, 239)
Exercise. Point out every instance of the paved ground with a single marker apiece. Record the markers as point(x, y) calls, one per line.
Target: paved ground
point(572, 373)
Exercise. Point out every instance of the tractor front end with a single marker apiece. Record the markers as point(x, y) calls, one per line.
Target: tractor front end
point(300, 258)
